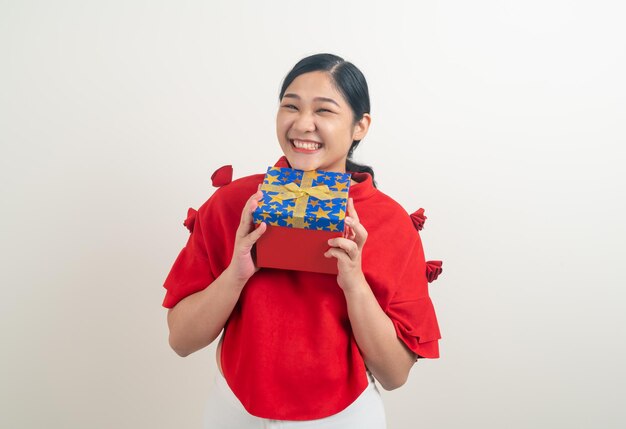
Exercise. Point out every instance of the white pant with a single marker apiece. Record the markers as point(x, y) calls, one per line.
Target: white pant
point(224, 411)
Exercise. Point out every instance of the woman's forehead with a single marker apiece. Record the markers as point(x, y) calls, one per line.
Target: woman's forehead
point(314, 86)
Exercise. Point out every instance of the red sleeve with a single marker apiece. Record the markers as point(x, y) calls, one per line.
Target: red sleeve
point(410, 308)
point(191, 271)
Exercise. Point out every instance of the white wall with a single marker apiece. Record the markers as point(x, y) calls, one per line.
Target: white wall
point(504, 120)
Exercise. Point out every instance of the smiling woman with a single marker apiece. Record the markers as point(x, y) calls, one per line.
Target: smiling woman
point(301, 347)
point(315, 125)
point(324, 111)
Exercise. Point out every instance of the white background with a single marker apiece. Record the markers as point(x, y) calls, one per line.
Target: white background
point(503, 119)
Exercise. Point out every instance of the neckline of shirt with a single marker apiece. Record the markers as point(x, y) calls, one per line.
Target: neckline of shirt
point(364, 188)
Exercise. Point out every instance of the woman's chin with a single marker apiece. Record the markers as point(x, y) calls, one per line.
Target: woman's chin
point(299, 164)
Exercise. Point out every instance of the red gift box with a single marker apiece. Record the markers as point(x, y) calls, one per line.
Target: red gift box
point(302, 210)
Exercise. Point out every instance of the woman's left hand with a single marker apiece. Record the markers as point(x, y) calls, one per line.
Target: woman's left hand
point(348, 250)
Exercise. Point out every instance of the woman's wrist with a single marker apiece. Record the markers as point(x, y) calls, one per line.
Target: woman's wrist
point(232, 279)
point(358, 289)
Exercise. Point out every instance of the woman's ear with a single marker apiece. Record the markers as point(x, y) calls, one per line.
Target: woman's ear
point(361, 127)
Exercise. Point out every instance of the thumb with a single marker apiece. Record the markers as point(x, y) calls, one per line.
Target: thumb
point(252, 238)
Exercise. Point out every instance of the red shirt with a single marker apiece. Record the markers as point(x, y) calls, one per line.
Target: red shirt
point(288, 351)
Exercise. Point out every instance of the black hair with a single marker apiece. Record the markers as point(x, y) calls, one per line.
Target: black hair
point(349, 81)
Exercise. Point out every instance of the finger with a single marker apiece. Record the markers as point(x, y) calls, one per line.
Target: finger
point(252, 238)
point(347, 231)
point(348, 246)
point(334, 252)
point(360, 233)
point(246, 214)
point(351, 210)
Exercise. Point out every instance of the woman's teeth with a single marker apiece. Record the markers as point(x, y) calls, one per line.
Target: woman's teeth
point(306, 145)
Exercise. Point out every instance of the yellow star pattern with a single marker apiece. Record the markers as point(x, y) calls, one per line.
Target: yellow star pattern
point(275, 199)
point(321, 214)
point(313, 203)
point(274, 223)
point(314, 175)
point(270, 179)
point(264, 215)
point(340, 186)
point(332, 227)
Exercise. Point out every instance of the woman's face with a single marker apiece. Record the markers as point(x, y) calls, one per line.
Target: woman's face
point(315, 125)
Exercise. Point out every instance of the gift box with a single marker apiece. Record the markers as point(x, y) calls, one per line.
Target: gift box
point(302, 210)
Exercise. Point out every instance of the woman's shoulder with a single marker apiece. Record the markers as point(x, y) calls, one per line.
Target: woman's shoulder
point(385, 217)
point(388, 202)
point(385, 206)
point(240, 186)
point(231, 196)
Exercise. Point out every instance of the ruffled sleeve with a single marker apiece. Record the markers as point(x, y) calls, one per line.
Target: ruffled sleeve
point(222, 176)
point(191, 271)
point(419, 219)
point(433, 269)
point(191, 219)
point(411, 309)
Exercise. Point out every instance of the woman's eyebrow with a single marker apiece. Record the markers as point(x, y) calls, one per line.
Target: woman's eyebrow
point(296, 96)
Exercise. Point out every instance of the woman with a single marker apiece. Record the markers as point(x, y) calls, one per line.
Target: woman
point(303, 349)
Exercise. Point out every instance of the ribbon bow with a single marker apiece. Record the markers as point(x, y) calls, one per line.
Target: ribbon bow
point(321, 192)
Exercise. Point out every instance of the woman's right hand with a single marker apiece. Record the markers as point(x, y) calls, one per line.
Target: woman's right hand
point(242, 265)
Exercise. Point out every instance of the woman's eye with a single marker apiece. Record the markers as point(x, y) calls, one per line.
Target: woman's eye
point(324, 110)
point(289, 106)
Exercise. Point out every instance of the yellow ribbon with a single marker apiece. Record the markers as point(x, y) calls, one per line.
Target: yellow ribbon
point(301, 194)
point(321, 192)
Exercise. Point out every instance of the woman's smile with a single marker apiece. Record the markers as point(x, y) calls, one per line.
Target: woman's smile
point(305, 146)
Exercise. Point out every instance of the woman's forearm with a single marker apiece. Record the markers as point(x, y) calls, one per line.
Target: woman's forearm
point(385, 355)
point(198, 319)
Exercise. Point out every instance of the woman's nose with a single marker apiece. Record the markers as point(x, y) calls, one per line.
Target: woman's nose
point(305, 122)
